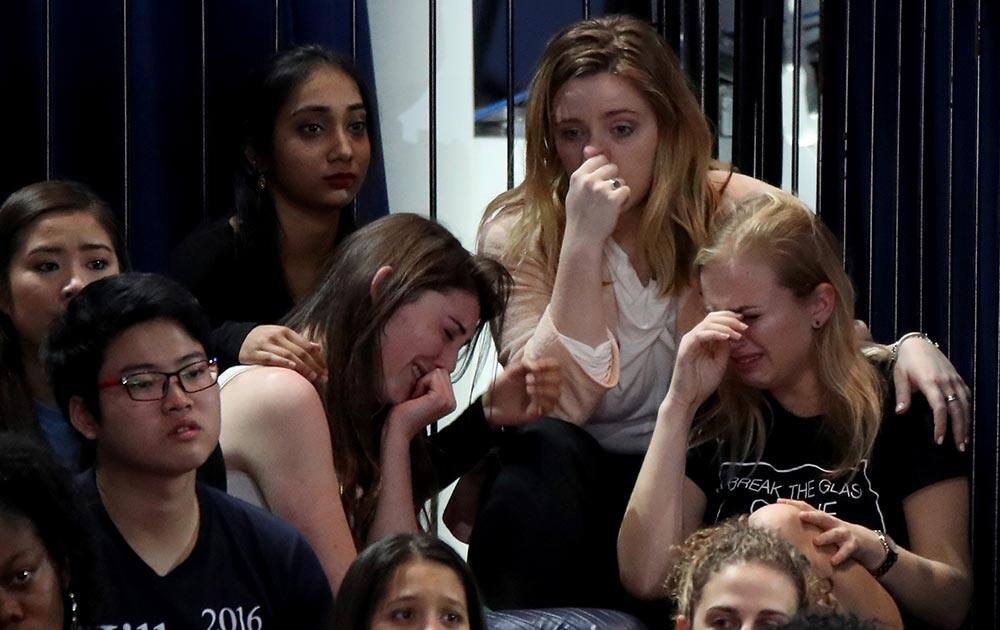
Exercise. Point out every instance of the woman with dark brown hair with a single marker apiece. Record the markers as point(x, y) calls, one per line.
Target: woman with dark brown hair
point(55, 237)
point(348, 462)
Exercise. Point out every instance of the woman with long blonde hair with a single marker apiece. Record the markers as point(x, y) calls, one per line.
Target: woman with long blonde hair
point(619, 194)
point(800, 433)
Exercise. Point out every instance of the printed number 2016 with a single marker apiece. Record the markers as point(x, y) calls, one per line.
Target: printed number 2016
point(233, 619)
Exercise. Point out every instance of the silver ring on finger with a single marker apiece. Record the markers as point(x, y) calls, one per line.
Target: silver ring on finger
point(616, 184)
point(950, 398)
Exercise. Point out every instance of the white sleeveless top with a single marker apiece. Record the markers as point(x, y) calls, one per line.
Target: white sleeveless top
point(647, 340)
point(238, 483)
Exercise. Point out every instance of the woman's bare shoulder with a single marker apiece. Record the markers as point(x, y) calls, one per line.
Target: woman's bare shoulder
point(735, 186)
point(495, 230)
point(270, 400)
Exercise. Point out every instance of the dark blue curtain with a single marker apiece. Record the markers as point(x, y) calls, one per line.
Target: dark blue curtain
point(139, 100)
point(909, 180)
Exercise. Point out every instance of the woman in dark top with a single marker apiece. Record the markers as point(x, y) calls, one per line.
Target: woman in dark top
point(800, 433)
point(305, 154)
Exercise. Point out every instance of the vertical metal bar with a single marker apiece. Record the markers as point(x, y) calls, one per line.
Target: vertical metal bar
point(976, 208)
point(701, 53)
point(432, 168)
point(682, 43)
point(895, 191)
point(354, 30)
point(951, 158)
point(204, 118)
point(819, 126)
point(48, 89)
point(126, 222)
point(510, 93)
point(277, 24)
point(432, 106)
point(586, 9)
point(663, 19)
point(975, 297)
point(871, 171)
point(920, 175)
point(762, 100)
point(796, 68)
point(847, 104)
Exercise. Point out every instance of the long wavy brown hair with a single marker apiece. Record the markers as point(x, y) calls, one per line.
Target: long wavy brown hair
point(677, 210)
point(344, 317)
point(778, 229)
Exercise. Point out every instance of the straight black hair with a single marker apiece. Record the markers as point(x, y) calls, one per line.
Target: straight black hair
point(268, 90)
point(367, 580)
point(35, 488)
point(76, 345)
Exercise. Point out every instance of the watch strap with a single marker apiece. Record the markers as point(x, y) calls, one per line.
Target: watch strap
point(890, 555)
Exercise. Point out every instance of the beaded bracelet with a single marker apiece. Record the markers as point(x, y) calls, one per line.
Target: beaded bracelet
point(894, 348)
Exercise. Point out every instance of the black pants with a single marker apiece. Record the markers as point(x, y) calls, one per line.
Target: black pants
point(546, 531)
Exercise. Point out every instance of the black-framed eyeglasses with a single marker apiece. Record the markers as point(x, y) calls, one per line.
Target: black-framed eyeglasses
point(146, 386)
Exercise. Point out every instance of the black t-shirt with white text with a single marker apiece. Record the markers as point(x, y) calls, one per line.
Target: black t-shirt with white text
point(798, 460)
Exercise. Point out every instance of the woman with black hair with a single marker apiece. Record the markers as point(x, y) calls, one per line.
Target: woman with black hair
point(55, 238)
point(305, 151)
point(45, 559)
point(409, 580)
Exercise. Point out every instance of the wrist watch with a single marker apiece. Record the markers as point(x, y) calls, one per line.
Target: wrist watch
point(891, 554)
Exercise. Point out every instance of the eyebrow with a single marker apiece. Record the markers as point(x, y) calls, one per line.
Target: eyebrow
point(150, 367)
point(618, 112)
point(739, 309)
point(461, 327)
point(611, 114)
point(325, 109)
point(58, 249)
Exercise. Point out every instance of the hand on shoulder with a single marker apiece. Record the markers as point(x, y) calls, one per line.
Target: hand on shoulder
point(735, 186)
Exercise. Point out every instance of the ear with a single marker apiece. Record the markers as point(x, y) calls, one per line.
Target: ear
point(681, 623)
point(378, 281)
point(82, 419)
point(821, 302)
point(5, 306)
point(254, 159)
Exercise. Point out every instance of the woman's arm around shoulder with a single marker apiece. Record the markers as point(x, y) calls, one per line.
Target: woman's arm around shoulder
point(274, 428)
point(735, 186)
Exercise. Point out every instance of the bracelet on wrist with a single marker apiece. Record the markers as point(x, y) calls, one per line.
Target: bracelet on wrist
point(891, 554)
point(894, 347)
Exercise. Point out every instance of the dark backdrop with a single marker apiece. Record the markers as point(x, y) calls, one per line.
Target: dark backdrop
point(139, 99)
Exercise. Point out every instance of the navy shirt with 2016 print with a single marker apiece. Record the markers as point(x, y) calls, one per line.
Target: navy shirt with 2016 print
point(247, 570)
